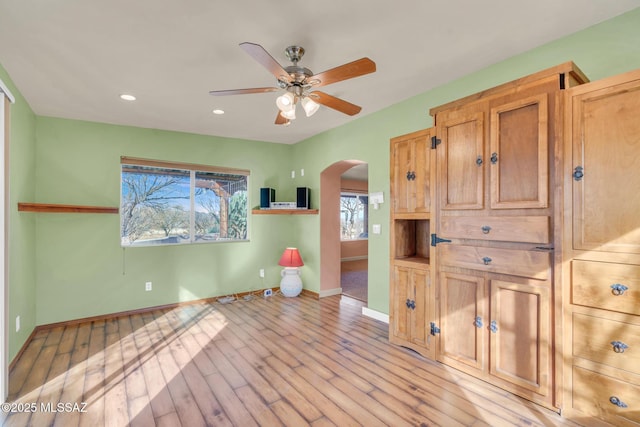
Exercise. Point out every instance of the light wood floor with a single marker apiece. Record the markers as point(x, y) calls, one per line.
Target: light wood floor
point(277, 361)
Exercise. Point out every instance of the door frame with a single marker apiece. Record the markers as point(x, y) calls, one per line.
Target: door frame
point(5, 99)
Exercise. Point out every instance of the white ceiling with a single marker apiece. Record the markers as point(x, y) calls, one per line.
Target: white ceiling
point(73, 58)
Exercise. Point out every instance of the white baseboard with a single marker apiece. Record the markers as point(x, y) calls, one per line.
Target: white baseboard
point(354, 258)
point(330, 292)
point(375, 315)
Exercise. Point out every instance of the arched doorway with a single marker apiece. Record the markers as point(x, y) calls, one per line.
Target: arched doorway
point(330, 251)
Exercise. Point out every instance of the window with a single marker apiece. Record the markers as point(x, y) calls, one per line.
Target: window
point(354, 216)
point(175, 203)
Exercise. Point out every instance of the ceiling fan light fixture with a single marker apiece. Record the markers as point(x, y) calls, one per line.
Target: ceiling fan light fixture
point(286, 102)
point(310, 106)
point(289, 114)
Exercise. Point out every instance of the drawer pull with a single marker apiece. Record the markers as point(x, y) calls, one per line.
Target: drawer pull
point(486, 229)
point(486, 260)
point(619, 403)
point(618, 289)
point(478, 322)
point(493, 326)
point(619, 346)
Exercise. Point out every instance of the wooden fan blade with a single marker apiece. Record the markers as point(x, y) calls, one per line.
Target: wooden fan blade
point(335, 103)
point(242, 91)
point(281, 120)
point(347, 71)
point(258, 53)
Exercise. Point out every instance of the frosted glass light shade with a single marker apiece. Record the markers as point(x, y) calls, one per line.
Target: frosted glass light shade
point(310, 106)
point(289, 114)
point(286, 102)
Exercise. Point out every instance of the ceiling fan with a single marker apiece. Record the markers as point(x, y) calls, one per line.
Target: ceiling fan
point(299, 83)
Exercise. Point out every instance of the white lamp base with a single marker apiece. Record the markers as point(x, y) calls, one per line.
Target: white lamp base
point(291, 284)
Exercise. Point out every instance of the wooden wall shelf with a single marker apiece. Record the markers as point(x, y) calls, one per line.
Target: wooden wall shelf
point(55, 208)
point(284, 211)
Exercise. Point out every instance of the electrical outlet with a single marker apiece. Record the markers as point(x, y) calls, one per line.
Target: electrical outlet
point(262, 272)
point(268, 292)
point(17, 323)
point(148, 286)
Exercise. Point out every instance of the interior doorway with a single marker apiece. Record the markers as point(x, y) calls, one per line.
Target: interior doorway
point(330, 227)
point(354, 226)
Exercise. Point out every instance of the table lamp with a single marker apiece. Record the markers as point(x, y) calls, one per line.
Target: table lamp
point(291, 284)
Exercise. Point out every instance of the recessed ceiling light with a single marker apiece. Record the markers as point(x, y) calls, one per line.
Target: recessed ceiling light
point(217, 111)
point(127, 97)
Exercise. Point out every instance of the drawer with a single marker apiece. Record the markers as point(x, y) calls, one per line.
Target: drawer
point(530, 229)
point(594, 338)
point(516, 262)
point(595, 394)
point(591, 285)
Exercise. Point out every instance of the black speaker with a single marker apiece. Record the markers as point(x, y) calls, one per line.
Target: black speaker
point(303, 198)
point(267, 195)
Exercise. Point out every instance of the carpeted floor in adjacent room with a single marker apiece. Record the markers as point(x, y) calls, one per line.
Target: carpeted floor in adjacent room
point(353, 279)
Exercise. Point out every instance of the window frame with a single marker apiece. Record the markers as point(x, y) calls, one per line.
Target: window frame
point(192, 169)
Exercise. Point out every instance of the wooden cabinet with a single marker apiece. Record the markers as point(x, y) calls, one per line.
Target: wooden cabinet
point(411, 308)
point(494, 220)
point(463, 338)
point(411, 294)
point(519, 147)
point(497, 328)
point(601, 292)
point(520, 336)
point(410, 174)
point(460, 158)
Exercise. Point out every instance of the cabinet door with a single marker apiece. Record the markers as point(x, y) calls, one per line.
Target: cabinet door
point(411, 309)
point(520, 342)
point(421, 314)
point(400, 176)
point(400, 312)
point(420, 201)
point(460, 161)
point(410, 175)
point(463, 322)
point(605, 133)
point(519, 154)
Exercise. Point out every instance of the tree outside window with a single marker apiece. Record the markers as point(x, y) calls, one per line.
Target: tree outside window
point(354, 216)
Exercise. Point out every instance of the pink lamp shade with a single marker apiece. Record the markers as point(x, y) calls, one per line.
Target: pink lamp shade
point(291, 258)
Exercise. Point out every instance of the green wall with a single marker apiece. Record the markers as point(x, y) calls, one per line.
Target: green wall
point(21, 232)
point(67, 266)
point(606, 49)
point(81, 269)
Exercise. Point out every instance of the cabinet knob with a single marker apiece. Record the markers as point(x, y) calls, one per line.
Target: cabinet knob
point(479, 161)
point(486, 229)
point(494, 158)
point(486, 260)
point(493, 326)
point(578, 173)
point(619, 403)
point(478, 322)
point(619, 346)
point(618, 289)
